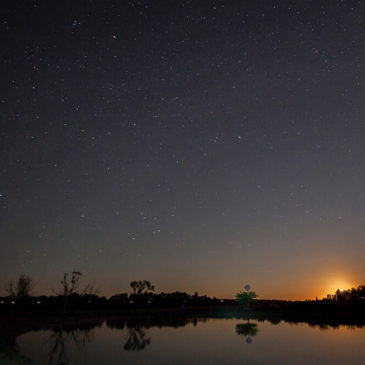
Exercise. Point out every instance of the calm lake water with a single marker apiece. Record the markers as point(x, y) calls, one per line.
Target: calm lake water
point(182, 340)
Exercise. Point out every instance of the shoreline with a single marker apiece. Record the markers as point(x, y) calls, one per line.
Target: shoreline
point(15, 324)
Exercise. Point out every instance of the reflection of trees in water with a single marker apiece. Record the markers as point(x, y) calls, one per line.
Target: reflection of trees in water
point(9, 351)
point(324, 326)
point(80, 334)
point(313, 320)
point(247, 330)
point(137, 339)
point(152, 321)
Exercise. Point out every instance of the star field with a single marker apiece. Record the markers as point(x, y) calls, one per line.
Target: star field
point(197, 144)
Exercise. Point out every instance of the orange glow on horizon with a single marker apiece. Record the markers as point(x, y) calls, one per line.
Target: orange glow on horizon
point(311, 288)
point(340, 284)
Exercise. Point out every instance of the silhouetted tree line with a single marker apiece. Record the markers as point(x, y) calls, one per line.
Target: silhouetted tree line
point(353, 295)
point(72, 297)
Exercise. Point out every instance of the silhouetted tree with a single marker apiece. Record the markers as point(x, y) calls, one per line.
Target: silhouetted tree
point(22, 288)
point(245, 298)
point(89, 290)
point(89, 294)
point(68, 287)
point(141, 286)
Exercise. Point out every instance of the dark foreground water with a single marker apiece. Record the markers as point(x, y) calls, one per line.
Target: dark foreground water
point(183, 340)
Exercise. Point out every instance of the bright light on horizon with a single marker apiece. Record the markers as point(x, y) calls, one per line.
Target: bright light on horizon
point(340, 285)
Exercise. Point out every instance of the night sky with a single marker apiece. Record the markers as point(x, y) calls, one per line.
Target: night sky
point(201, 145)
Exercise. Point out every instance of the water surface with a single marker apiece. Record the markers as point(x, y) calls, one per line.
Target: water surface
point(184, 340)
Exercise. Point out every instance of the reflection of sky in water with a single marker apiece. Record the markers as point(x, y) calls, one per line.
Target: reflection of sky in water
point(212, 341)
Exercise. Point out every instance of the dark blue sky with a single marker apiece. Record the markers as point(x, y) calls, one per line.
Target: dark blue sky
point(198, 144)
